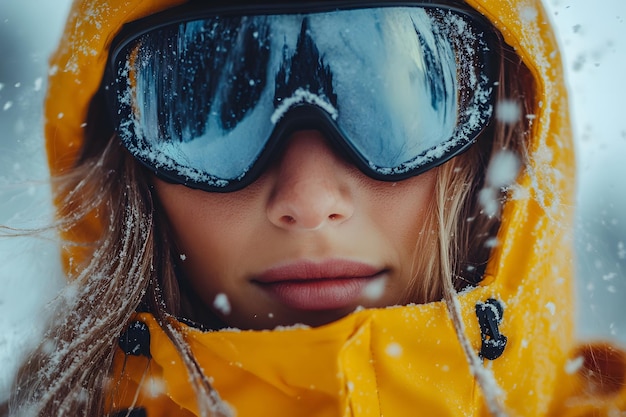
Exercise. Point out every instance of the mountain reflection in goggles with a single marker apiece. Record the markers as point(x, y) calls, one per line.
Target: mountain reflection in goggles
point(399, 89)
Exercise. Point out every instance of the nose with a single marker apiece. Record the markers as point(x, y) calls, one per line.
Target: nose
point(310, 189)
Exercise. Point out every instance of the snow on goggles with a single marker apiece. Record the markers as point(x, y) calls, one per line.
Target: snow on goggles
point(205, 97)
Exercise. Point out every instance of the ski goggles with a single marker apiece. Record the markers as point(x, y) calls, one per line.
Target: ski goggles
point(206, 97)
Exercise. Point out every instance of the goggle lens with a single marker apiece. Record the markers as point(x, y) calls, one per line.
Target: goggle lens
point(205, 101)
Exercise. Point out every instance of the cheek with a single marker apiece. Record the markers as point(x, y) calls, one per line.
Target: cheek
point(402, 209)
point(206, 228)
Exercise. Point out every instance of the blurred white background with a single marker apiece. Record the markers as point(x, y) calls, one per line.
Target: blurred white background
point(593, 40)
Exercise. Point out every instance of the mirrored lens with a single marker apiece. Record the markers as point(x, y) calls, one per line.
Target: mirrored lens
point(403, 86)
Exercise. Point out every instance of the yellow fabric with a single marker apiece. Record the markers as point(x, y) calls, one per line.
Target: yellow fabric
point(76, 69)
point(402, 361)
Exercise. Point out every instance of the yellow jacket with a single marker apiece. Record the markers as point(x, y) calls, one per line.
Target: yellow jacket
point(400, 361)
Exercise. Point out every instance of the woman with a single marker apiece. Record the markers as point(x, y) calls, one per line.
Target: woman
point(313, 209)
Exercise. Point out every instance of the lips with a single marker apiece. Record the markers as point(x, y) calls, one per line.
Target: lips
point(328, 285)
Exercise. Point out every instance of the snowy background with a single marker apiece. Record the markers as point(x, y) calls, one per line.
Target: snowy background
point(593, 39)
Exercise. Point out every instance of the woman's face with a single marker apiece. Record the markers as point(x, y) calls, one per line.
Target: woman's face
point(308, 242)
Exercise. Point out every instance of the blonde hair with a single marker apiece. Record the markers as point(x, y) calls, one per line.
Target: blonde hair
point(454, 248)
point(132, 267)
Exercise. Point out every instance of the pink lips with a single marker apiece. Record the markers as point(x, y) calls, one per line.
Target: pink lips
point(318, 286)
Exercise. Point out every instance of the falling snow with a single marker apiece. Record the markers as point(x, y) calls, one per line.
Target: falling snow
point(222, 304)
point(574, 365)
point(592, 49)
point(375, 289)
point(508, 111)
point(394, 350)
point(154, 387)
point(501, 172)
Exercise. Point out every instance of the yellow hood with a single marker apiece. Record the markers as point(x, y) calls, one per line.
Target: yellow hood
point(402, 361)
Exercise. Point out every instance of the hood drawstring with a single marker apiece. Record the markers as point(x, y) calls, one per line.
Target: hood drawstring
point(487, 382)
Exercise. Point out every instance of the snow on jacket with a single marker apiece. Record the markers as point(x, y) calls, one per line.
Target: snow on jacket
point(399, 361)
